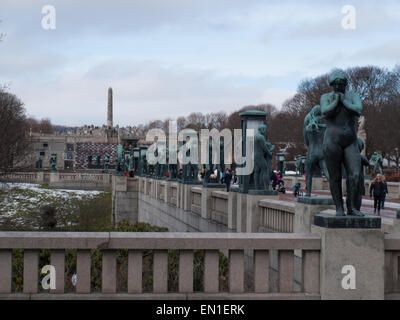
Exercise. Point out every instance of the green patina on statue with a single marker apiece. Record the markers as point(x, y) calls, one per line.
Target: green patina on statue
point(119, 165)
point(106, 163)
point(378, 160)
point(172, 167)
point(262, 159)
point(340, 108)
point(313, 132)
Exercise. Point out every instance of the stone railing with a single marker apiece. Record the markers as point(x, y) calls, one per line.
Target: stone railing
point(392, 266)
point(219, 207)
point(236, 212)
point(276, 216)
point(29, 177)
point(211, 244)
point(196, 200)
point(63, 180)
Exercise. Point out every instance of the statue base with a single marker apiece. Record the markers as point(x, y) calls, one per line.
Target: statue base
point(318, 200)
point(263, 192)
point(234, 189)
point(213, 185)
point(191, 182)
point(347, 222)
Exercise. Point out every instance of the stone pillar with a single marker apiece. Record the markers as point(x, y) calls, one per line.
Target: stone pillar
point(241, 216)
point(54, 178)
point(110, 109)
point(181, 194)
point(125, 203)
point(306, 208)
point(144, 180)
point(106, 181)
point(187, 197)
point(206, 199)
point(40, 177)
point(352, 248)
point(232, 210)
point(253, 211)
point(167, 191)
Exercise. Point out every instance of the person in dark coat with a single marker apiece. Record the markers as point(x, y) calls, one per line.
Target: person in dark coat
point(228, 179)
point(377, 189)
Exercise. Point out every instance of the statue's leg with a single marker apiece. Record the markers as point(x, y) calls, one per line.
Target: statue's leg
point(309, 165)
point(352, 163)
point(322, 165)
point(333, 159)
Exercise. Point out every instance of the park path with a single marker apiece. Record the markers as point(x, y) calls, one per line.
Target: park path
point(391, 205)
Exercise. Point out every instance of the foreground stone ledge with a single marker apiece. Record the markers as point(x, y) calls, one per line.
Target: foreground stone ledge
point(53, 240)
point(157, 240)
point(166, 296)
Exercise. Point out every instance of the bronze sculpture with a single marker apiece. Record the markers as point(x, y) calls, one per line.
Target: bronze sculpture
point(340, 108)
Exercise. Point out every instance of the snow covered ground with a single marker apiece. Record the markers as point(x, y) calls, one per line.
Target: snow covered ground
point(21, 203)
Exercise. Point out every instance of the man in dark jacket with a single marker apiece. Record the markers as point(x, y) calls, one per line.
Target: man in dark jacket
point(378, 189)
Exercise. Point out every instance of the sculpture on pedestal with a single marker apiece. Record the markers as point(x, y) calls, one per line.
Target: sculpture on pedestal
point(313, 133)
point(106, 163)
point(172, 167)
point(53, 162)
point(119, 165)
point(190, 170)
point(262, 159)
point(340, 108)
point(377, 159)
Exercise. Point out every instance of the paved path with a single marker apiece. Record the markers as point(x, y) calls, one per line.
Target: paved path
point(391, 205)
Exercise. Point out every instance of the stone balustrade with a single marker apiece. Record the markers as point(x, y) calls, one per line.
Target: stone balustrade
point(214, 205)
point(276, 216)
point(210, 243)
point(392, 266)
point(63, 180)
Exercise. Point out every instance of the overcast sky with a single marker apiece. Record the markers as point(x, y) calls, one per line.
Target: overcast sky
point(167, 58)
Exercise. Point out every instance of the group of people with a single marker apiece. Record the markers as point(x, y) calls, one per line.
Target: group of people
point(379, 190)
point(227, 177)
point(277, 181)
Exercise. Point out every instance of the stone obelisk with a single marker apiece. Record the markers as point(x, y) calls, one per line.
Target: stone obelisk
point(110, 109)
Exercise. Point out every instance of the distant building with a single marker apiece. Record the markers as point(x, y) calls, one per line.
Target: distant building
point(84, 147)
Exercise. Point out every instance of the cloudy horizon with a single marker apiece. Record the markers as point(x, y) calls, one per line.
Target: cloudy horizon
point(170, 58)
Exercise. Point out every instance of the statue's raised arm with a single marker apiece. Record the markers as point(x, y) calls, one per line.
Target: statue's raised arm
point(329, 103)
point(352, 103)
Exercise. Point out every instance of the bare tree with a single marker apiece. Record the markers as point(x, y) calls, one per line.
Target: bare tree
point(14, 145)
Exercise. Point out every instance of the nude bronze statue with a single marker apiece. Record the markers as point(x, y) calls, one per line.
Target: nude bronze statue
point(262, 159)
point(340, 108)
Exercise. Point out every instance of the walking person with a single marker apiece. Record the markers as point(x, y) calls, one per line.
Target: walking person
point(378, 190)
point(386, 191)
point(228, 179)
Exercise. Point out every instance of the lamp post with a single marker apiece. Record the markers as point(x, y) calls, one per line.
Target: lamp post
point(281, 163)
